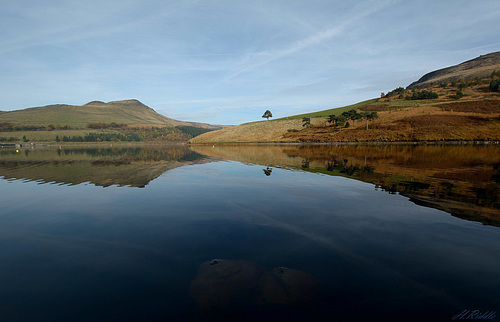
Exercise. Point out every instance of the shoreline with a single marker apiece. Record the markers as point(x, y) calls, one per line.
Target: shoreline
point(73, 144)
point(458, 142)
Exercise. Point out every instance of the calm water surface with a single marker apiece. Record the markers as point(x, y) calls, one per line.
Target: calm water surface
point(255, 233)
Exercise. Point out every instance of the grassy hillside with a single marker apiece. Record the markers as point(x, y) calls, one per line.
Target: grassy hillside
point(130, 112)
point(462, 111)
point(116, 121)
point(326, 113)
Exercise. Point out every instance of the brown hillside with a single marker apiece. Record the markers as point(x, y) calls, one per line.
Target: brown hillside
point(479, 67)
point(456, 110)
point(468, 120)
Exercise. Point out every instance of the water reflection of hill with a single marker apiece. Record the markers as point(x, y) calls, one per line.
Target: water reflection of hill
point(123, 166)
point(461, 180)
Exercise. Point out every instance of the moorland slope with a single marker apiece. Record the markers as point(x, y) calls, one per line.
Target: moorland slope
point(454, 104)
point(477, 68)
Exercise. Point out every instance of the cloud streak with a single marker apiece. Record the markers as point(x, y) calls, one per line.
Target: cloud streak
point(256, 60)
point(227, 61)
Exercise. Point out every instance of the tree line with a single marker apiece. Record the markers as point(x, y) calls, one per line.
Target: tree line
point(9, 139)
point(112, 125)
point(192, 130)
point(100, 137)
point(131, 135)
point(342, 120)
point(402, 93)
point(119, 132)
point(9, 127)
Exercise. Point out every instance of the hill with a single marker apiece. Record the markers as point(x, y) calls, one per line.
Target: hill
point(462, 109)
point(130, 112)
point(479, 67)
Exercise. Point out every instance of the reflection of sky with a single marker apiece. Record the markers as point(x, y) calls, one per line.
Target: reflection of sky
point(317, 223)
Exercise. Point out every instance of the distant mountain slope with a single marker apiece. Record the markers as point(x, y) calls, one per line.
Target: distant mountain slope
point(130, 112)
point(481, 66)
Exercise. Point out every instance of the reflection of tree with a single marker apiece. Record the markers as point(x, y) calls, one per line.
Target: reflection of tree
point(343, 167)
point(267, 171)
point(496, 174)
point(305, 163)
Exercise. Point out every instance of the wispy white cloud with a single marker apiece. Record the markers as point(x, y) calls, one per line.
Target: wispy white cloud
point(226, 60)
point(85, 23)
point(259, 59)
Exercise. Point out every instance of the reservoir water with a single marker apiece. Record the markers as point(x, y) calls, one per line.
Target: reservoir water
point(274, 233)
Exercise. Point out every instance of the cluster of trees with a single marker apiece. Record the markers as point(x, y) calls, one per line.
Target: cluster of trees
point(122, 132)
point(192, 130)
point(401, 93)
point(424, 95)
point(111, 125)
point(178, 133)
point(9, 127)
point(10, 139)
point(131, 135)
point(100, 137)
point(342, 120)
point(160, 133)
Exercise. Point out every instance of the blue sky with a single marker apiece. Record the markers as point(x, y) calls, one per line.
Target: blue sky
point(227, 61)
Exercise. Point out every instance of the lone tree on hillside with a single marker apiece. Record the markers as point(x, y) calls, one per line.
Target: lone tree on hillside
point(267, 114)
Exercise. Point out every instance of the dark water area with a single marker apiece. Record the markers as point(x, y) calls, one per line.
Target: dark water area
point(274, 233)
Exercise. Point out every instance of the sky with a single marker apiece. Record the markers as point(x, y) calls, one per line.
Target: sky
point(228, 61)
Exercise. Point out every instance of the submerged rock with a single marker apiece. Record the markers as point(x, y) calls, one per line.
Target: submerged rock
point(224, 285)
point(289, 287)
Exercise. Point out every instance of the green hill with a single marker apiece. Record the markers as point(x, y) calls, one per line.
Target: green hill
point(129, 112)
